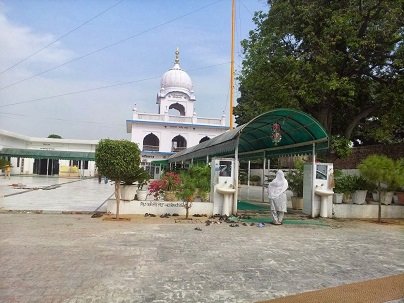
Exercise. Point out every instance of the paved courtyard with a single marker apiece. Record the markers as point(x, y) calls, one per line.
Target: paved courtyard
point(52, 194)
point(55, 257)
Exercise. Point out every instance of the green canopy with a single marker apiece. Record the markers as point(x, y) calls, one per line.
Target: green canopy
point(47, 154)
point(163, 163)
point(299, 132)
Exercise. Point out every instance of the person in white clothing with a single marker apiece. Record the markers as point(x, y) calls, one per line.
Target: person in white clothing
point(277, 197)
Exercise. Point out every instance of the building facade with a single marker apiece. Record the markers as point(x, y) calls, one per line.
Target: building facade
point(176, 125)
point(48, 156)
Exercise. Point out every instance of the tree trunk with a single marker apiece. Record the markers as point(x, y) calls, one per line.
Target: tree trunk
point(351, 126)
point(117, 197)
point(186, 210)
point(379, 213)
point(325, 118)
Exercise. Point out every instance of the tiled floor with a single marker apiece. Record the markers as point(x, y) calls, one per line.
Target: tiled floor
point(38, 193)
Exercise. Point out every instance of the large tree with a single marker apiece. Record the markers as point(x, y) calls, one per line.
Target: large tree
point(341, 61)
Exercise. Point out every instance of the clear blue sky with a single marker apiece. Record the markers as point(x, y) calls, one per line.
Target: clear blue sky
point(133, 41)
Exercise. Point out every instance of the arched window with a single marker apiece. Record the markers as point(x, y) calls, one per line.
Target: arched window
point(206, 138)
point(151, 143)
point(176, 109)
point(178, 143)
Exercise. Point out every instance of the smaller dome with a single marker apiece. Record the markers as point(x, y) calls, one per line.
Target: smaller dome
point(176, 77)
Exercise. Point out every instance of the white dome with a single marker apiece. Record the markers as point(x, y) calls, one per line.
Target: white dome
point(176, 77)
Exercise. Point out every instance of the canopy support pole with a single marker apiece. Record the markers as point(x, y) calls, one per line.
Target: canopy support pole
point(248, 173)
point(263, 177)
point(313, 178)
point(236, 177)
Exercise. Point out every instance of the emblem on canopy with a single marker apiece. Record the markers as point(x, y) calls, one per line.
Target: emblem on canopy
point(276, 133)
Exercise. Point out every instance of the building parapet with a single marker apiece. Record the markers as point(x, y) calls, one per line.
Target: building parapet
point(178, 119)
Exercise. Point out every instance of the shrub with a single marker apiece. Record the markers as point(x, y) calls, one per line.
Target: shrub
point(344, 184)
point(171, 180)
point(116, 159)
point(156, 188)
point(295, 178)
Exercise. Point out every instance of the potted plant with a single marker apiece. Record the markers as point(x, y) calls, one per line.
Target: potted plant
point(399, 181)
point(243, 176)
point(399, 192)
point(381, 170)
point(360, 189)
point(156, 188)
point(115, 160)
point(132, 182)
point(295, 181)
point(142, 180)
point(344, 184)
point(171, 181)
point(255, 180)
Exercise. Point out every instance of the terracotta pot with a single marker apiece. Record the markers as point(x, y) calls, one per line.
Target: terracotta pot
point(400, 197)
point(297, 203)
point(170, 196)
point(347, 198)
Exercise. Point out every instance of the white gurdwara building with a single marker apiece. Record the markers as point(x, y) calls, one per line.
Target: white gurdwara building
point(176, 125)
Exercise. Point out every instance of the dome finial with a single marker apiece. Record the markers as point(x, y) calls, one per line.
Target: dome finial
point(177, 56)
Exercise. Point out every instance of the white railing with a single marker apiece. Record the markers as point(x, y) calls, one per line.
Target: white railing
point(154, 117)
point(150, 148)
point(179, 119)
point(210, 121)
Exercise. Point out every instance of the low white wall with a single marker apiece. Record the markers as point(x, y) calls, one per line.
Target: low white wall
point(159, 207)
point(367, 211)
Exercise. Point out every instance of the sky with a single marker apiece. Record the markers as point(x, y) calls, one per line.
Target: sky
point(76, 68)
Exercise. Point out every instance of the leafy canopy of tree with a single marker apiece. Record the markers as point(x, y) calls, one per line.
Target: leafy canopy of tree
point(54, 136)
point(341, 61)
point(118, 160)
point(3, 162)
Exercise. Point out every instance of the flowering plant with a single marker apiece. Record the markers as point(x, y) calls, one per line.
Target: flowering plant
point(171, 181)
point(156, 188)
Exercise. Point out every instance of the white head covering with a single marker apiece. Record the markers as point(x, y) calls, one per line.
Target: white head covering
point(278, 185)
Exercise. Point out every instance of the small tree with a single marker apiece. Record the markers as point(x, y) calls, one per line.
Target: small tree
point(378, 169)
point(117, 159)
point(187, 191)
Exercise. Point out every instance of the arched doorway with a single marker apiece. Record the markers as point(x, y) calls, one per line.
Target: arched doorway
point(176, 109)
point(151, 143)
point(178, 143)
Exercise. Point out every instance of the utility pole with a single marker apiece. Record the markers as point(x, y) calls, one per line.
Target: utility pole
point(233, 14)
